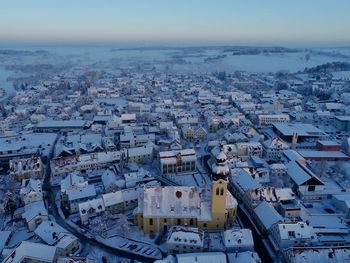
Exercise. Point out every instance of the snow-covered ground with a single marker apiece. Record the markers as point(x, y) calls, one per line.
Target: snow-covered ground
point(195, 179)
point(181, 61)
point(97, 254)
point(341, 75)
point(4, 83)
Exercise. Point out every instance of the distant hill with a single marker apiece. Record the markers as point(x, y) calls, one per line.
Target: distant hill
point(10, 52)
point(329, 67)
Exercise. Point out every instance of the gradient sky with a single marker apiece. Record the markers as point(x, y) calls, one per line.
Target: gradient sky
point(256, 22)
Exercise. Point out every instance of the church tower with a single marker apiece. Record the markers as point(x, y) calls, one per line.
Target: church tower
point(220, 172)
point(218, 203)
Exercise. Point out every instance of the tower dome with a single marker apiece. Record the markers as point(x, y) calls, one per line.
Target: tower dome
point(219, 168)
point(221, 157)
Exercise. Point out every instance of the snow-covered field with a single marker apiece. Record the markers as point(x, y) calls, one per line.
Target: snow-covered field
point(180, 60)
point(273, 62)
point(174, 60)
point(4, 84)
point(342, 75)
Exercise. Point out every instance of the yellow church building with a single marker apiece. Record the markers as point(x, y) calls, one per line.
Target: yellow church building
point(160, 208)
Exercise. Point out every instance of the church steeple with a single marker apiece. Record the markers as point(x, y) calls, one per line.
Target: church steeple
point(218, 202)
point(219, 168)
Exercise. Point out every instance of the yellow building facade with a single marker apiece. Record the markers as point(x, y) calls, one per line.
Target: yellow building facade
point(160, 208)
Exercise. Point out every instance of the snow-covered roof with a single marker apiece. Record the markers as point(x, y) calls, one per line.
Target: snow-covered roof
point(244, 257)
point(74, 260)
point(62, 124)
point(81, 192)
point(238, 238)
point(300, 229)
point(343, 197)
point(28, 142)
point(323, 154)
point(328, 143)
point(327, 223)
point(29, 185)
point(130, 136)
point(177, 201)
point(302, 129)
point(64, 241)
point(128, 117)
point(342, 118)
point(274, 116)
point(49, 231)
point(186, 236)
point(34, 209)
point(109, 178)
point(243, 179)
point(139, 151)
point(29, 250)
point(231, 202)
point(73, 162)
point(292, 155)
point(278, 166)
point(334, 106)
point(299, 173)
point(96, 204)
point(219, 168)
point(184, 152)
point(76, 142)
point(4, 236)
point(241, 145)
point(276, 143)
point(317, 255)
point(271, 194)
point(267, 214)
point(72, 180)
point(205, 257)
point(121, 196)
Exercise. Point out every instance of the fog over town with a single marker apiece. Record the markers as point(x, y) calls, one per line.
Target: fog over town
point(173, 152)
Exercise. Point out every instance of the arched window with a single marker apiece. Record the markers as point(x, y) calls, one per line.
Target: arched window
point(222, 191)
point(217, 191)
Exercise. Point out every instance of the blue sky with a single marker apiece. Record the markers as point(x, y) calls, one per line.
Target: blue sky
point(254, 22)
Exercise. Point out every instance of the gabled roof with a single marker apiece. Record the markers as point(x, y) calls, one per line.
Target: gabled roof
point(4, 237)
point(49, 231)
point(267, 214)
point(301, 175)
point(244, 180)
point(31, 250)
point(82, 192)
point(34, 209)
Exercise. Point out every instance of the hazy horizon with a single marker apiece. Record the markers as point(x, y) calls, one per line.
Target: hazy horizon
point(162, 45)
point(174, 23)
